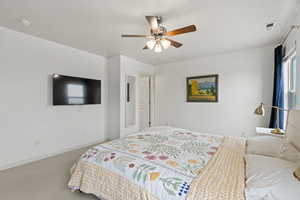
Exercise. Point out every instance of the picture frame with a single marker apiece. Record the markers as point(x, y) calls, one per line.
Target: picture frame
point(202, 88)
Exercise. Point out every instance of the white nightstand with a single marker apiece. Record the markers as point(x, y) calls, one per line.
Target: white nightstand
point(267, 131)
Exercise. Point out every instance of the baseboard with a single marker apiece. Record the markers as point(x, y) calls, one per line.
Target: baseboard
point(37, 158)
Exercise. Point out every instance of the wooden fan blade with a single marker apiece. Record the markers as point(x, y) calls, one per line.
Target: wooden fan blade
point(183, 30)
point(153, 23)
point(145, 47)
point(174, 43)
point(143, 36)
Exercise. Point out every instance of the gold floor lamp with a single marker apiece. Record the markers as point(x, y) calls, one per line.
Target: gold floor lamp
point(260, 110)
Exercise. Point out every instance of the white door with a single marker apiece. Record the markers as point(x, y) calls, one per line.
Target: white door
point(144, 102)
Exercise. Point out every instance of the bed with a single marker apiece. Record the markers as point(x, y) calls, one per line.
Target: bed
point(272, 164)
point(165, 163)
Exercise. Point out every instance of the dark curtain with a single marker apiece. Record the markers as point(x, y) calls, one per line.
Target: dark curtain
point(278, 91)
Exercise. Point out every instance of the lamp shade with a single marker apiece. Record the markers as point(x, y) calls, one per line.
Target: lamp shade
point(165, 43)
point(157, 48)
point(150, 44)
point(260, 110)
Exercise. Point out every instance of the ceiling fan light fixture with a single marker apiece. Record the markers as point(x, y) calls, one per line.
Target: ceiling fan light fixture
point(150, 44)
point(165, 43)
point(157, 48)
point(159, 36)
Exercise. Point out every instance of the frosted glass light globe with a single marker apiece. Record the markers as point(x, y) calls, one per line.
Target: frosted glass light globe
point(165, 43)
point(150, 44)
point(158, 48)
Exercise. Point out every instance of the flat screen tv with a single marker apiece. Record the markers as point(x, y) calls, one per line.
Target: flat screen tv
point(69, 90)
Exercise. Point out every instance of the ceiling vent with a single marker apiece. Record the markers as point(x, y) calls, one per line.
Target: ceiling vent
point(269, 26)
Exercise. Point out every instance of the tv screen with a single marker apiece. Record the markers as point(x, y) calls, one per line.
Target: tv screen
point(69, 90)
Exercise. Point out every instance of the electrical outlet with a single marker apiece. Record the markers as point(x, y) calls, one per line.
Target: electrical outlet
point(243, 134)
point(36, 143)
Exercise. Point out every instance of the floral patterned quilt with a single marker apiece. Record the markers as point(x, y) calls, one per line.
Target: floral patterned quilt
point(163, 161)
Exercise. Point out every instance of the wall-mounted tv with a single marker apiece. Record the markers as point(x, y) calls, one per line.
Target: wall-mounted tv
point(68, 90)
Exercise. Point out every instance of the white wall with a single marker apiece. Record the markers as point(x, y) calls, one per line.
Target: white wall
point(119, 67)
point(245, 80)
point(31, 127)
point(113, 114)
point(137, 69)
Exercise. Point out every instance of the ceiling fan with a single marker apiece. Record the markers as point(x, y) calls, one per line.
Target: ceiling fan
point(159, 35)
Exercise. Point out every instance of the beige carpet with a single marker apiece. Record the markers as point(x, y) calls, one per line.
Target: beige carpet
point(42, 180)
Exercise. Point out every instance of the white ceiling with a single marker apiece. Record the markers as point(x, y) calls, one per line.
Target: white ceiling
point(96, 25)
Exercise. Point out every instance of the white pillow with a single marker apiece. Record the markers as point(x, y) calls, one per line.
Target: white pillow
point(293, 128)
point(289, 152)
point(270, 178)
point(273, 147)
point(264, 145)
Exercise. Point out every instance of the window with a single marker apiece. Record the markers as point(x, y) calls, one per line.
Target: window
point(75, 94)
point(292, 75)
point(290, 82)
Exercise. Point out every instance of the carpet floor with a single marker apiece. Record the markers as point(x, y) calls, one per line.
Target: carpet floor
point(42, 180)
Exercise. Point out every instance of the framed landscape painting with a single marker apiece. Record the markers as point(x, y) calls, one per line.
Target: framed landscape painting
point(202, 88)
